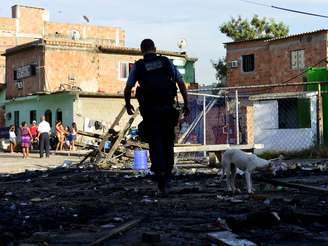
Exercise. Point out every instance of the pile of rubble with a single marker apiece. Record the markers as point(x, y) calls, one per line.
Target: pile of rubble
point(74, 205)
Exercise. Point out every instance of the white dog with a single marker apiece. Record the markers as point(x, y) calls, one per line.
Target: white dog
point(247, 162)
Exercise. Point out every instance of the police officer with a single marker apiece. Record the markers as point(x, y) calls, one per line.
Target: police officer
point(156, 91)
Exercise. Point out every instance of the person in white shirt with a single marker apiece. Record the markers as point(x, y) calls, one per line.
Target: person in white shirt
point(12, 138)
point(44, 130)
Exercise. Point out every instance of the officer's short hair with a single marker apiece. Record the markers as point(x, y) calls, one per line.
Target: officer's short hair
point(147, 45)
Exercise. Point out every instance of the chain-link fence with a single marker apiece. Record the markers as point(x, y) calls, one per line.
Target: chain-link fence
point(276, 119)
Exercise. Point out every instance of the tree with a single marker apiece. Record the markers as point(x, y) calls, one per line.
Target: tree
point(221, 69)
point(239, 29)
point(242, 29)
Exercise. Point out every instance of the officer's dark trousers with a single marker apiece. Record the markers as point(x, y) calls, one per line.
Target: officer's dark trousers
point(44, 144)
point(160, 132)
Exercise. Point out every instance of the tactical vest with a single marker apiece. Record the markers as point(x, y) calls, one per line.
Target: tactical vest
point(155, 79)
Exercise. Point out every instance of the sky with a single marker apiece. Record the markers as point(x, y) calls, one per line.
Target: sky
point(168, 21)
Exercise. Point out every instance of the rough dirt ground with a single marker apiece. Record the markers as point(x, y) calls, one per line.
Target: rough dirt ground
point(77, 206)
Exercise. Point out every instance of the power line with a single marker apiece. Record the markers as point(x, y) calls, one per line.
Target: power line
point(284, 9)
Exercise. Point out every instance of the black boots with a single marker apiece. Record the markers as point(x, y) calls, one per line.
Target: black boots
point(163, 184)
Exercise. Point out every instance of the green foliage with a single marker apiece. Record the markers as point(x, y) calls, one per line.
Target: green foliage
point(242, 29)
point(221, 69)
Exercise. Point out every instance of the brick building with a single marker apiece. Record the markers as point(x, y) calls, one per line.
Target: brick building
point(50, 65)
point(67, 71)
point(68, 80)
point(272, 61)
point(30, 23)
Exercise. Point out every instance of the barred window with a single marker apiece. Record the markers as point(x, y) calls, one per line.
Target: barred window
point(248, 63)
point(297, 60)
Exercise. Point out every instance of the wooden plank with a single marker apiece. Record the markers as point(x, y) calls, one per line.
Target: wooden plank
point(138, 144)
point(89, 134)
point(115, 231)
point(227, 238)
point(310, 188)
point(120, 137)
point(97, 152)
point(116, 121)
point(214, 148)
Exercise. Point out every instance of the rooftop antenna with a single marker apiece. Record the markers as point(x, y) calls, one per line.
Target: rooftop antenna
point(182, 44)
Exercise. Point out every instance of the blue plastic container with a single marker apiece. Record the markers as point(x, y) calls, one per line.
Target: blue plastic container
point(140, 161)
point(107, 146)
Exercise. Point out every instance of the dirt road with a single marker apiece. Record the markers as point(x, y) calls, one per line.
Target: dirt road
point(14, 163)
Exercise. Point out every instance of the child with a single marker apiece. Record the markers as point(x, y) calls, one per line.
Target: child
point(73, 133)
point(68, 138)
point(12, 138)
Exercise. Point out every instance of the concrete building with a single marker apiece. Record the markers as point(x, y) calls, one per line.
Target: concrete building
point(31, 23)
point(276, 60)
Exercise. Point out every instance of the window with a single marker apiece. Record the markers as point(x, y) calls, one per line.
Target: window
point(24, 72)
point(294, 113)
point(248, 63)
point(32, 116)
point(48, 116)
point(125, 68)
point(297, 60)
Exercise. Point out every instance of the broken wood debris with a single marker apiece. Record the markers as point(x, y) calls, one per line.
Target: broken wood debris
point(227, 238)
point(302, 187)
point(115, 231)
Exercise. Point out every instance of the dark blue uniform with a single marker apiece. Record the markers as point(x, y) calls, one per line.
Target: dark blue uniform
point(156, 93)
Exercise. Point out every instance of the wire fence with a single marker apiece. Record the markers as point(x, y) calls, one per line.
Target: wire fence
point(276, 119)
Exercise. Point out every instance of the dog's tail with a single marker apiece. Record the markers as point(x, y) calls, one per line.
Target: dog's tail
point(222, 168)
point(223, 171)
point(222, 175)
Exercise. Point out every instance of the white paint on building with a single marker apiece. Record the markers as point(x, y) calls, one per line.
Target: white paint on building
point(267, 132)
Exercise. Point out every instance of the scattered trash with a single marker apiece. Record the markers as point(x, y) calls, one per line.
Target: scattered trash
point(12, 206)
point(267, 201)
point(118, 219)
point(36, 199)
point(67, 163)
point(107, 226)
point(147, 200)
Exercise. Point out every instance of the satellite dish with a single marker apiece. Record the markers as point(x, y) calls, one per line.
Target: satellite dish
point(75, 35)
point(182, 43)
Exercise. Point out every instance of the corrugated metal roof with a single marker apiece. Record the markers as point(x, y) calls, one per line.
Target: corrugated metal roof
point(279, 38)
point(297, 35)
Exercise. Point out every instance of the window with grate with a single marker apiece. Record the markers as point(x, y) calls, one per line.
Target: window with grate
point(248, 62)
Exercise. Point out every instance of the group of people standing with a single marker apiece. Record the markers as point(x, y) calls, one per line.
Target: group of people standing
point(39, 135)
point(29, 136)
point(66, 136)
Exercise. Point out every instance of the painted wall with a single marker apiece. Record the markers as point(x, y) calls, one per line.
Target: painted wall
point(104, 110)
point(267, 132)
point(41, 104)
